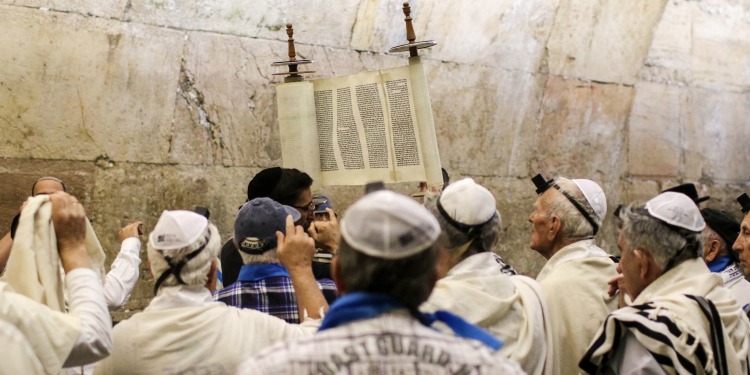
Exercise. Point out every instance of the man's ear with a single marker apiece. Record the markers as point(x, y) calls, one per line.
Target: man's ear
point(712, 251)
point(647, 266)
point(213, 276)
point(554, 227)
point(336, 274)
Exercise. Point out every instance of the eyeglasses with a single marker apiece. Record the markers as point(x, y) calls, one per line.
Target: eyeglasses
point(308, 207)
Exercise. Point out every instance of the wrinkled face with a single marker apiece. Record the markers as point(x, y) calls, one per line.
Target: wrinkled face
point(540, 224)
point(305, 207)
point(46, 187)
point(630, 268)
point(742, 245)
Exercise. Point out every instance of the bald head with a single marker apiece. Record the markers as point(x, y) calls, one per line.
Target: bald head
point(47, 185)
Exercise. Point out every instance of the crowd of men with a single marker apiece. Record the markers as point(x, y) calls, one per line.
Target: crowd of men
point(392, 286)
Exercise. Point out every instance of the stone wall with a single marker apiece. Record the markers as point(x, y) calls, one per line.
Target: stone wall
point(146, 105)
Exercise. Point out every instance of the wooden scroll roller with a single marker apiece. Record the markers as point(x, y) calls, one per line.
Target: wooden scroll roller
point(412, 46)
point(293, 75)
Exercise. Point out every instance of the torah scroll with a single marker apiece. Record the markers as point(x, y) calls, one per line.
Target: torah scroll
point(364, 127)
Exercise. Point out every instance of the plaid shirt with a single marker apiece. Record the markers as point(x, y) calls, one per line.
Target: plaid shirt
point(268, 289)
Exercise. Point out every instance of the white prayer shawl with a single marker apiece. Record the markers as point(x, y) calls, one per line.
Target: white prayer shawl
point(50, 333)
point(34, 265)
point(509, 307)
point(735, 281)
point(17, 356)
point(184, 331)
point(574, 283)
point(672, 326)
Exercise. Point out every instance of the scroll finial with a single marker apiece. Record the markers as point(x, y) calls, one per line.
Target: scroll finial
point(290, 42)
point(409, 27)
point(294, 75)
point(412, 46)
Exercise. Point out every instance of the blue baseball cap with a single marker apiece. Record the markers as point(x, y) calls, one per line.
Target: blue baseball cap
point(257, 222)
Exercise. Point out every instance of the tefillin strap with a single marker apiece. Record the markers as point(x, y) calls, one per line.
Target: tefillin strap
point(542, 184)
point(472, 231)
point(176, 266)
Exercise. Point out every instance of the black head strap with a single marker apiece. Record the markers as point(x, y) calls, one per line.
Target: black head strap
point(176, 265)
point(579, 207)
point(472, 231)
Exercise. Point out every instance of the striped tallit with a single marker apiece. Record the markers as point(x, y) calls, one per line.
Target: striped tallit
point(700, 331)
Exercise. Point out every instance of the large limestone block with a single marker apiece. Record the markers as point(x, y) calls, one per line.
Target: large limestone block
point(654, 130)
point(325, 22)
point(583, 130)
point(108, 9)
point(716, 136)
point(506, 34)
point(484, 118)
point(704, 43)
point(604, 41)
point(689, 132)
point(76, 88)
point(225, 112)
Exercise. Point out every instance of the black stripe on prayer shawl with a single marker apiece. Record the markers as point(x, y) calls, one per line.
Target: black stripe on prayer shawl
point(717, 333)
point(659, 329)
point(663, 340)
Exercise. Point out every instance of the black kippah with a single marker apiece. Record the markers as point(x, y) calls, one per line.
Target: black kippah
point(263, 183)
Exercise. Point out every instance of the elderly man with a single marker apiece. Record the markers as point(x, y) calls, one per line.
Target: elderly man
point(290, 187)
point(386, 267)
point(718, 237)
point(264, 284)
point(181, 328)
point(477, 285)
point(38, 340)
point(682, 319)
point(567, 215)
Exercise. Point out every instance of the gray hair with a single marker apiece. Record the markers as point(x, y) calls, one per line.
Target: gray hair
point(195, 271)
point(574, 226)
point(268, 257)
point(668, 245)
point(409, 280)
point(454, 238)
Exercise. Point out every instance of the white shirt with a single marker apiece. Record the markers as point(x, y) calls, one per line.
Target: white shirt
point(184, 331)
point(123, 275)
point(392, 343)
point(81, 336)
point(574, 282)
point(509, 307)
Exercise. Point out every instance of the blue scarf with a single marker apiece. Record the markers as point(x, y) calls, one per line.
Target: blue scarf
point(360, 305)
point(256, 272)
point(719, 264)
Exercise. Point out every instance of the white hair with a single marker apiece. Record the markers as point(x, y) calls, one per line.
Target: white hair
point(574, 226)
point(268, 257)
point(195, 271)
